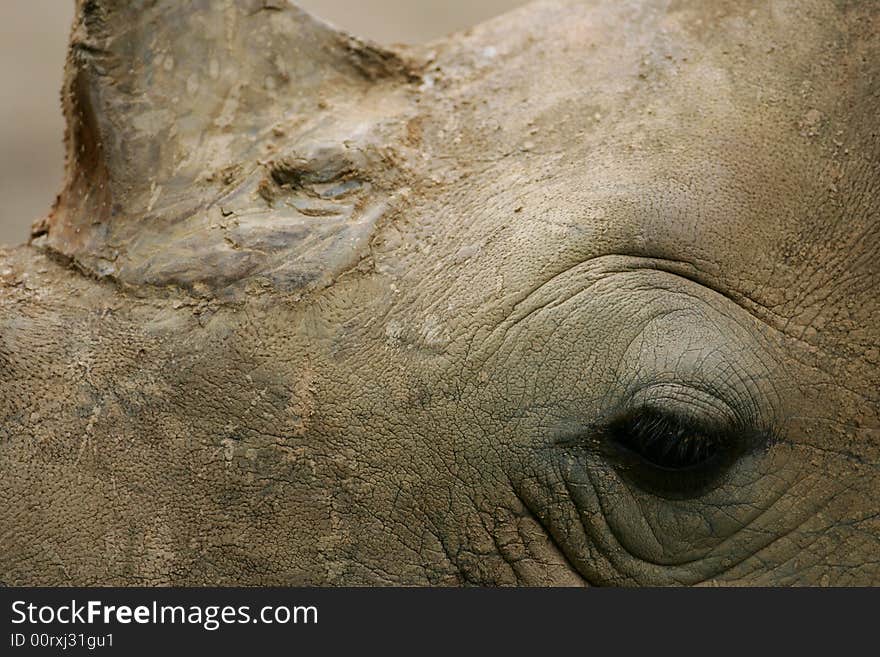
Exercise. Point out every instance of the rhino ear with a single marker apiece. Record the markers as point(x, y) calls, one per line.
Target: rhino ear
point(167, 102)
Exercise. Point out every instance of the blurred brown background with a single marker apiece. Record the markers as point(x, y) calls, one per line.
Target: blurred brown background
point(33, 40)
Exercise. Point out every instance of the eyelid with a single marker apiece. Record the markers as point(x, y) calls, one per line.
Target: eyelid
point(697, 402)
point(704, 411)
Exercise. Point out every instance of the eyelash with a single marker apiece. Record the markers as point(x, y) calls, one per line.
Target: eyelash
point(667, 440)
point(672, 454)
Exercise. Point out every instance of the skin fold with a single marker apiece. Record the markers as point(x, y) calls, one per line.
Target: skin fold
point(309, 311)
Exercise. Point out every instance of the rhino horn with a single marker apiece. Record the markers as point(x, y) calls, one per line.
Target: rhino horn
point(164, 101)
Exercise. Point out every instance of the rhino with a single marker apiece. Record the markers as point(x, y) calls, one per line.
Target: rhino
point(584, 295)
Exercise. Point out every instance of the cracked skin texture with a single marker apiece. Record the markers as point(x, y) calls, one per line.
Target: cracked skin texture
point(317, 312)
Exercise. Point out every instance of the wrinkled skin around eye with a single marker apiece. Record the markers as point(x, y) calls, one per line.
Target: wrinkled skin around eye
point(584, 296)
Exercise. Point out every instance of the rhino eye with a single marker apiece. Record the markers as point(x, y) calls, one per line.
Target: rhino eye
point(665, 440)
point(671, 454)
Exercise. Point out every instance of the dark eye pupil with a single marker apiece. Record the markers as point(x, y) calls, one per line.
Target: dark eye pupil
point(665, 441)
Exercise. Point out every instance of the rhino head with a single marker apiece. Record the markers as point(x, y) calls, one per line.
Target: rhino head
point(584, 295)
